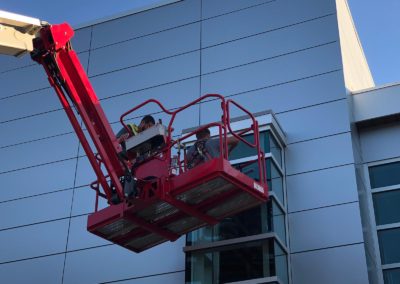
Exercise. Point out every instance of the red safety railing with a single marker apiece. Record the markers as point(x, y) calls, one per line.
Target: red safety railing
point(224, 129)
point(256, 133)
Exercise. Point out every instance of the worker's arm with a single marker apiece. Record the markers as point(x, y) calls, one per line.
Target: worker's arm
point(232, 143)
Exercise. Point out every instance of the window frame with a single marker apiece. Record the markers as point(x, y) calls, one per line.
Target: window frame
point(376, 228)
point(267, 123)
point(233, 243)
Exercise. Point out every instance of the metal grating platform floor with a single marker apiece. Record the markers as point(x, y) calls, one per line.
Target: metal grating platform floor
point(218, 191)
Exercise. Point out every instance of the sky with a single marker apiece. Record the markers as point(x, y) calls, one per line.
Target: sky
point(378, 26)
point(377, 23)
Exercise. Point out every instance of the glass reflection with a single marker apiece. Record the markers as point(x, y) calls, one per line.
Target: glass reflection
point(391, 276)
point(386, 205)
point(389, 245)
point(275, 180)
point(385, 175)
point(268, 144)
point(238, 262)
point(266, 218)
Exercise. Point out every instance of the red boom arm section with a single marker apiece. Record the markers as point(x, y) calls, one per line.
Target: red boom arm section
point(67, 76)
point(170, 199)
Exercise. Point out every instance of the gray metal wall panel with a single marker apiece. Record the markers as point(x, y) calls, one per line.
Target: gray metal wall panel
point(316, 121)
point(44, 270)
point(29, 104)
point(273, 71)
point(321, 188)
point(263, 18)
point(170, 278)
point(325, 227)
point(11, 62)
point(33, 78)
point(80, 267)
point(35, 209)
point(288, 96)
point(33, 241)
point(146, 22)
point(84, 201)
point(319, 154)
point(381, 142)
point(84, 173)
point(344, 265)
point(33, 128)
point(81, 39)
point(38, 152)
point(271, 44)
point(38, 180)
point(145, 49)
point(148, 75)
point(80, 238)
point(212, 8)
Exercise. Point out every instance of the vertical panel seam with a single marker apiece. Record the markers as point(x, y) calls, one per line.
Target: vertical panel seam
point(76, 172)
point(200, 55)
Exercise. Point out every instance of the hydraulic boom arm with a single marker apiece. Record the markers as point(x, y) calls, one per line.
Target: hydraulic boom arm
point(50, 46)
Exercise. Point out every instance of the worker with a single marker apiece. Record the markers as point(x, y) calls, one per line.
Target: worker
point(205, 149)
point(146, 122)
point(122, 135)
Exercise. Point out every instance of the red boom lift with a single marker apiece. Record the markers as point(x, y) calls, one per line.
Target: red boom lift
point(171, 200)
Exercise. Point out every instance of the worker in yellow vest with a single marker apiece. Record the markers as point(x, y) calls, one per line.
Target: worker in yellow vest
point(146, 122)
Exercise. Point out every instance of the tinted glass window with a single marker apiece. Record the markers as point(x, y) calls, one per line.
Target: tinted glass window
point(268, 144)
point(237, 263)
point(385, 175)
point(391, 276)
point(389, 245)
point(386, 205)
point(274, 148)
point(246, 223)
point(263, 219)
point(278, 220)
point(275, 181)
point(242, 150)
point(241, 264)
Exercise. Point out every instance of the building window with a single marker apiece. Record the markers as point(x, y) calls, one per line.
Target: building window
point(268, 144)
point(385, 187)
point(228, 251)
point(237, 262)
point(387, 207)
point(389, 245)
point(384, 175)
point(266, 218)
point(391, 276)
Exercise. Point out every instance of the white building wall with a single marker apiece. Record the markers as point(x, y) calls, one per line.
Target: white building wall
point(356, 71)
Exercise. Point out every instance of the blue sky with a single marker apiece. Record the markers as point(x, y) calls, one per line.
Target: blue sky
point(378, 26)
point(377, 23)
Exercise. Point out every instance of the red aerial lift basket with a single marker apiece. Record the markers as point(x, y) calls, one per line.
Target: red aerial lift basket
point(172, 199)
point(176, 200)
